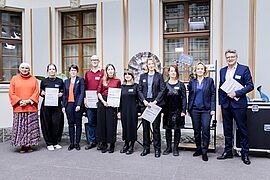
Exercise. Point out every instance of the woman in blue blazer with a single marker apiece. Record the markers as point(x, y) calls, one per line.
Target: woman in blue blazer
point(201, 107)
point(73, 106)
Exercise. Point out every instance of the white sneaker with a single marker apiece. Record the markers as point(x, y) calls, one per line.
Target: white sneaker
point(50, 148)
point(57, 146)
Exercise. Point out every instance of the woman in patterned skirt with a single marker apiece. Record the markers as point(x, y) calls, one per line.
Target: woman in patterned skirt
point(24, 95)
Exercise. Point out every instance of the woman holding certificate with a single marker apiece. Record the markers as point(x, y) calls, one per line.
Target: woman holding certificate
point(129, 114)
point(51, 115)
point(151, 91)
point(175, 110)
point(106, 115)
point(24, 96)
point(73, 106)
point(201, 107)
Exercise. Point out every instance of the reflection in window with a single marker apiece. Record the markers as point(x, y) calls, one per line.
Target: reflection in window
point(11, 44)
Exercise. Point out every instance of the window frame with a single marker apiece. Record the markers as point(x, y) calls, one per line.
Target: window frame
point(186, 34)
point(10, 41)
point(80, 41)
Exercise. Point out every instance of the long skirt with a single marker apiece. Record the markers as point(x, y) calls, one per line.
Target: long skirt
point(25, 131)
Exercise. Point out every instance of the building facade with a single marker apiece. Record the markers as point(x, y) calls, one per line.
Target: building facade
point(71, 31)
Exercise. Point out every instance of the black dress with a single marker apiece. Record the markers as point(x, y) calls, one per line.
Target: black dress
point(52, 117)
point(129, 113)
point(176, 102)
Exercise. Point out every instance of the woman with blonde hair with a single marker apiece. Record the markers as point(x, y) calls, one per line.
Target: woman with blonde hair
point(201, 107)
point(107, 116)
point(129, 113)
point(151, 91)
point(24, 97)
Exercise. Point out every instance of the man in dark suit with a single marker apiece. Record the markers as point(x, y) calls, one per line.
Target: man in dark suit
point(234, 105)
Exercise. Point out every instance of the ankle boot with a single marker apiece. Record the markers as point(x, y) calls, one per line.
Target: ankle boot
point(175, 150)
point(131, 148)
point(125, 147)
point(111, 149)
point(104, 147)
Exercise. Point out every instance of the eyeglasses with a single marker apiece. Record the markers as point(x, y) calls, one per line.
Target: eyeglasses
point(230, 57)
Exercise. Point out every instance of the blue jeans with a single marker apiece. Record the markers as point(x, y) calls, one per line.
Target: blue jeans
point(92, 123)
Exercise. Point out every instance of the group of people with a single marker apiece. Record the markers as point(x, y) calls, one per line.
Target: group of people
point(135, 98)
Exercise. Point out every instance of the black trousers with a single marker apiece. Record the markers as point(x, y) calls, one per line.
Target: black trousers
point(52, 123)
point(201, 126)
point(156, 133)
point(240, 117)
point(106, 123)
point(74, 120)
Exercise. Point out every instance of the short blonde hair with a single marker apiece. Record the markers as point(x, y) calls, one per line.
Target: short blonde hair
point(195, 67)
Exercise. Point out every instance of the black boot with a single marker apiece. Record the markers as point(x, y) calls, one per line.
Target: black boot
point(125, 147)
point(111, 149)
point(168, 150)
point(131, 148)
point(176, 142)
point(104, 147)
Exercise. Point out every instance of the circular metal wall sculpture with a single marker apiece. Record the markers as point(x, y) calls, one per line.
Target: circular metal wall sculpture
point(137, 64)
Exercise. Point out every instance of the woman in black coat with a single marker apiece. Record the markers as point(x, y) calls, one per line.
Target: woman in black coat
point(151, 91)
point(174, 109)
point(201, 107)
point(129, 113)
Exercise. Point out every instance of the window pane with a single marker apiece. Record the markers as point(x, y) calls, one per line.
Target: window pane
point(71, 32)
point(71, 50)
point(11, 63)
point(8, 73)
point(71, 20)
point(172, 50)
point(86, 64)
point(68, 62)
point(174, 18)
point(11, 32)
point(11, 19)
point(89, 31)
point(89, 18)
point(174, 25)
point(89, 49)
point(198, 16)
point(199, 48)
point(11, 49)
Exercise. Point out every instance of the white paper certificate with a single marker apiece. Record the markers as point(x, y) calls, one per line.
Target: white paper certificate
point(231, 85)
point(113, 99)
point(92, 99)
point(150, 113)
point(51, 96)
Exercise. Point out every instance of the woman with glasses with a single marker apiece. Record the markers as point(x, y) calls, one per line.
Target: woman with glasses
point(106, 115)
point(129, 114)
point(52, 117)
point(24, 97)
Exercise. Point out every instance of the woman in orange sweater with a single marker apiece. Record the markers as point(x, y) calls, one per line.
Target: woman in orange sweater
point(24, 95)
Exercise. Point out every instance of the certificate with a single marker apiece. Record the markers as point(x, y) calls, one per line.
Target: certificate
point(150, 113)
point(91, 98)
point(231, 85)
point(51, 96)
point(113, 99)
